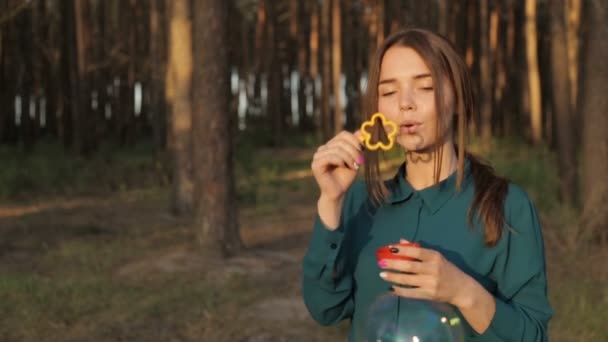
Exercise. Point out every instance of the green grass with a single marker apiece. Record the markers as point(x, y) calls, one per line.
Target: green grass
point(50, 170)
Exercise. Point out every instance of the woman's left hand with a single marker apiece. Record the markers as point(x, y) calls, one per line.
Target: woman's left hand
point(432, 277)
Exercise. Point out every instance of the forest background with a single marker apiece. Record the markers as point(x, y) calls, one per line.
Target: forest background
point(155, 154)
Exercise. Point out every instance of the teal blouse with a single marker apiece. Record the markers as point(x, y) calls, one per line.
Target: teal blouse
point(340, 271)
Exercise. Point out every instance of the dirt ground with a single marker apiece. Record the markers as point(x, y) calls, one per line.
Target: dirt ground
point(156, 247)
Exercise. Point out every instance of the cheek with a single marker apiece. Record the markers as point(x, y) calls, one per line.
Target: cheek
point(388, 108)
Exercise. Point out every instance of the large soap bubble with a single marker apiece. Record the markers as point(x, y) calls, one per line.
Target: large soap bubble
point(396, 319)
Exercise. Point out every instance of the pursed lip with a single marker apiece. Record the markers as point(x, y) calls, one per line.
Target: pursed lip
point(409, 126)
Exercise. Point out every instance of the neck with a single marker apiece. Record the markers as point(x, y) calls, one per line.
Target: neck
point(420, 166)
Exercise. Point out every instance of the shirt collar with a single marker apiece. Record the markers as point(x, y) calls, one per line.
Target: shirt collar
point(434, 197)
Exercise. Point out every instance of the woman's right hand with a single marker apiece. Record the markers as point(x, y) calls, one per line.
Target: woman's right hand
point(335, 164)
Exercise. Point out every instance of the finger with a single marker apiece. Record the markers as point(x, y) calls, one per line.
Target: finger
point(344, 158)
point(403, 279)
point(418, 253)
point(402, 240)
point(350, 139)
point(355, 139)
point(331, 158)
point(416, 293)
point(346, 148)
point(358, 136)
point(415, 267)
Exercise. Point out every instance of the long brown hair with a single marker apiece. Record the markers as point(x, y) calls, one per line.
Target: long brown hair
point(446, 66)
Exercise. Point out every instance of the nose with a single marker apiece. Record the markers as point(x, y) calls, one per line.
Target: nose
point(406, 101)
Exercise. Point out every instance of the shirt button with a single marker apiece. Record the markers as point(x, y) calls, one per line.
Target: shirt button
point(333, 246)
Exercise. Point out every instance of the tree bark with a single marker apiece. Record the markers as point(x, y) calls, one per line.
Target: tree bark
point(326, 70)
point(274, 73)
point(533, 73)
point(179, 78)
point(573, 15)
point(216, 206)
point(566, 153)
point(158, 106)
point(314, 65)
point(337, 66)
point(594, 106)
point(486, 78)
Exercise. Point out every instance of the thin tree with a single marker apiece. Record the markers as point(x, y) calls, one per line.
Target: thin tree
point(337, 66)
point(564, 123)
point(533, 72)
point(178, 92)
point(326, 69)
point(484, 71)
point(216, 207)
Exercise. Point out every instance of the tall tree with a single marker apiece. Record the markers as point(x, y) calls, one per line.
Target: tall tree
point(273, 67)
point(564, 123)
point(484, 73)
point(337, 65)
point(313, 46)
point(573, 14)
point(534, 89)
point(157, 47)
point(594, 106)
point(326, 70)
point(78, 45)
point(179, 83)
point(216, 207)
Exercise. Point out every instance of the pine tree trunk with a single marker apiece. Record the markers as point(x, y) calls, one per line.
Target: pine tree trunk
point(594, 106)
point(158, 107)
point(326, 67)
point(180, 82)
point(273, 71)
point(303, 74)
point(80, 90)
point(566, 155)
point(216, 208)
point(486, 78)
point(314, 66)
point(337, 66)
point(534, 89)
point(573, 15)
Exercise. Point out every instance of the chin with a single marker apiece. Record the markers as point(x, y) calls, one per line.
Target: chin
point(412, 143)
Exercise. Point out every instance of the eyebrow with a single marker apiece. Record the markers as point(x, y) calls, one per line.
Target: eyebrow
point(392, 80)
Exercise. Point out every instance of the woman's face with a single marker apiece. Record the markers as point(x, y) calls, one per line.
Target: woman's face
point(406, 95)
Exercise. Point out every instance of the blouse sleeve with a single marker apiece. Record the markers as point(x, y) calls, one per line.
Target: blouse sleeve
point(327, 279)
point(522, 307)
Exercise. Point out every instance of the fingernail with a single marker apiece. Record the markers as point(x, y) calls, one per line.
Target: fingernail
point(394, 250)
point(356, 166)
point(383, 275)
point(382, 263)
point(361, 160)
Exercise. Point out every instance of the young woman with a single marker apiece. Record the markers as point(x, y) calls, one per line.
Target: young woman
point(481, 247)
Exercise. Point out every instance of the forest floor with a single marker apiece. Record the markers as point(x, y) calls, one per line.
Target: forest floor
point(119, 267)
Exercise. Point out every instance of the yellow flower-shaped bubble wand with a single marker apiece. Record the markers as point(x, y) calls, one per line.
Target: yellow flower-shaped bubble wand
point(366, 136)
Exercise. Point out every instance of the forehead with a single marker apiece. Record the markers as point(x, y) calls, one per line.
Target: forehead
point(402, 62)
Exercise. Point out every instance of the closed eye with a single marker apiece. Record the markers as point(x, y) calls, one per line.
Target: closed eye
point(388, 93)
point(427, 88)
